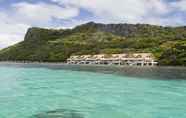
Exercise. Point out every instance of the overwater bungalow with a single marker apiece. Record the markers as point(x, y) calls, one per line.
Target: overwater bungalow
point(130, 59)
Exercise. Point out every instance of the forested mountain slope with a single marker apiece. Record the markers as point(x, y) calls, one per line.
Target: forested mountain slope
point(168, 44)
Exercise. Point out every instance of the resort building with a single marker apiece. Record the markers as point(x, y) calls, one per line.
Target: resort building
point(131, 59)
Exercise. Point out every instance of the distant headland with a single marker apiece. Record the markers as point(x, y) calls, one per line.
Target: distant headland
point(166, 44)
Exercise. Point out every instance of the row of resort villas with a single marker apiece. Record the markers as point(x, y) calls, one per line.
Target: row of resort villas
point(128, 59)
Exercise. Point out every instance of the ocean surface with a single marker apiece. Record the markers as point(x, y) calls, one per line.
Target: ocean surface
point(63, 91)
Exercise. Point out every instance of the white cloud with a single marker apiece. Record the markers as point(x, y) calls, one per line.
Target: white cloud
point(157, 7)
point(42, 13)
point(15, 22)
point(10, 31)
point(181, 5)
point(175, 21)
point(131, 11)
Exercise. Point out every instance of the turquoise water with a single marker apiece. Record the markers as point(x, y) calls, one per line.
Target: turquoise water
point(32, 92)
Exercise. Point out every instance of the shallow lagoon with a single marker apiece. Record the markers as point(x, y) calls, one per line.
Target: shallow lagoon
point(63, 91)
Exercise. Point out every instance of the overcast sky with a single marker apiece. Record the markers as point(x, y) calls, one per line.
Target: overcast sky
point(18, 15)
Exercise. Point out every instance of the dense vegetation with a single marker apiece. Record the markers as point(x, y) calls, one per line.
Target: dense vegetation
point(168, 44)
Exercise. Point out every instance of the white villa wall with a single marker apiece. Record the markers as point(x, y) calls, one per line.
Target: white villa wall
point(136, 59)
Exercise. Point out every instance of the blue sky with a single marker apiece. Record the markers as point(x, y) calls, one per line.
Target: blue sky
point(18, 15)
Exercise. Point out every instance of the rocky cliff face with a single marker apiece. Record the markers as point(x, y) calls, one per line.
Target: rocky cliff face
point(126, 30)
point(35, 34)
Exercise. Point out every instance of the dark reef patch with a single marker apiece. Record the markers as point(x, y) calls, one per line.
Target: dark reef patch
point(59, 113)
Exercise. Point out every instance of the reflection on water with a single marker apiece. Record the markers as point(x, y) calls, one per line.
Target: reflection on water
point(140, 72)
point(59, 113)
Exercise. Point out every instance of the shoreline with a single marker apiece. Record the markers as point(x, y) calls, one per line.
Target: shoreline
point(82, 65)
point(152, 72)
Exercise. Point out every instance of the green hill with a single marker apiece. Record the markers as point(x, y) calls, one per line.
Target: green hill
point(168, 44)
